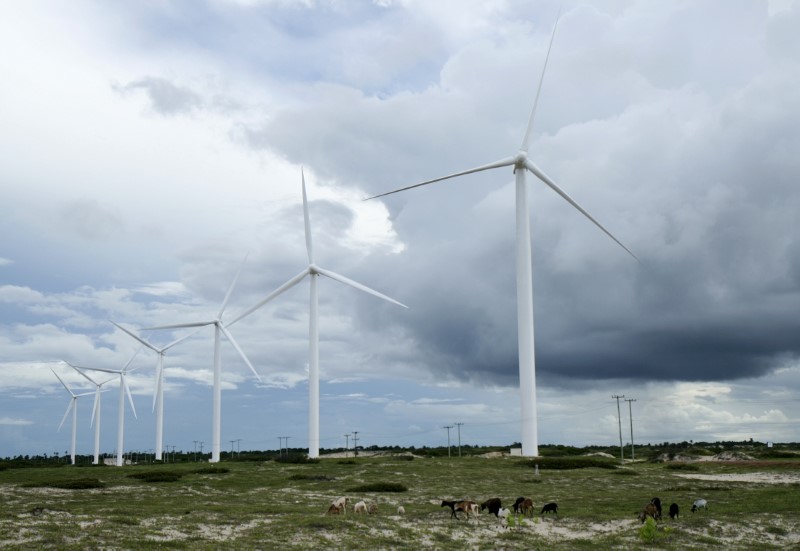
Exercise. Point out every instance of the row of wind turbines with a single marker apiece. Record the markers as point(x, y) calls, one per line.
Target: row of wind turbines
point(521, 164)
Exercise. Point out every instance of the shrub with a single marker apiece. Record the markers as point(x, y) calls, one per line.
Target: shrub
point(568, 463)
point(157, 476)
point(379, 487)
point(296, 458)
point(315, 477)
point(649, 531)
point(73, 484)
point(212, 470)
point(682, 467)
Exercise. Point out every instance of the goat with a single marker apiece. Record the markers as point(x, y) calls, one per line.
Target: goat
point(648, 511)
point(452, 505)
point(492, 504)
point(657, 502)
point(526, 507)
point(699, 504)
point(549, 508)
point(517, 503)
point(503, 513)
point(673, 511)
point(466, 506)
point(401, 510)
point(372, 508)
point(341, 504)
point(334, 510)
point(360, 507)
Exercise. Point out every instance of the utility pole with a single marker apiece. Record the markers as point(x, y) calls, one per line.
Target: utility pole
point(201, 449)
point(630, 415)
point(459, 437)
point(237, 446)
point(195, 449)
point(355, 443)
point(619, 418)
point(448, 427)
point(346, 443)
point(232, 441)
point(280, 440)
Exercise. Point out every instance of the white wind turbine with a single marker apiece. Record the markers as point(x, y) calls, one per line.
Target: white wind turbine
point(73, 406)
point(95, 411)
point(219, 329)
point(158, 395)
point(522, 165)
point(123, 390)
point(313, 271)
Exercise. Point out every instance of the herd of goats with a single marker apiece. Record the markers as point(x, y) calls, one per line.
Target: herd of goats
point(522, 505)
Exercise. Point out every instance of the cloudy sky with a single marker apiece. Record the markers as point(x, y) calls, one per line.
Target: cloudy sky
point(147, 148)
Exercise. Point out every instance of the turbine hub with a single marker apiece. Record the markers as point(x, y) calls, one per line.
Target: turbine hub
point(519, 160)
point(313, 270)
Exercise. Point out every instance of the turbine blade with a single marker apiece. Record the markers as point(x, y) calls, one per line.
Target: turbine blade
point(546, 179)
point(279, 291)
point(128, 392)
point(508, 161)
point(135, 336)
point(240, 351)
point(82, 373)
point(176, 341)
point(131, 360)
point(359, 286)
point(181, 325)
point(158, 383)
point(526, 140)
point(96, 404)
point(307, 222)
point(66, 413)
point(63, 383)
point(232, 286)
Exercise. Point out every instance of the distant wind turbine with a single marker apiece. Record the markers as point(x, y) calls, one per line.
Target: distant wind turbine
point(73, 406)
point(95, 410)
point(522, 165)
point(158, 395)
point(313, 323)
point(123, 390)
point(219, 329)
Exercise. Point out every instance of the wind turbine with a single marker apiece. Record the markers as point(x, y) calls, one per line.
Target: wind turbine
point(219, 329)
point(95, 411)
point(522, 165)
point(313, 271)
point(158, 395)
point(73, 405)
point(123, 389)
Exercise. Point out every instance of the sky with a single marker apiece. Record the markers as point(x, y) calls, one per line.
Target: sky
point(148, 148)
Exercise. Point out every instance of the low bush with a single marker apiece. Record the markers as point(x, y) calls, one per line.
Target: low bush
point(682, 467)
point(378, 487)
point(299, 458)
point(73, 484)
point(569, 463)
point(157, 476)
point(212, 470)
point(313, 477)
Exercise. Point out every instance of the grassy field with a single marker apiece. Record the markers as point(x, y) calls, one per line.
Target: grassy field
point(273, 504)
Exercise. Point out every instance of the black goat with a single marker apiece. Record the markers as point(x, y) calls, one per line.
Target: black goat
point(657, 502)
point(492, 504)
point(673, 511)
point(549, 508)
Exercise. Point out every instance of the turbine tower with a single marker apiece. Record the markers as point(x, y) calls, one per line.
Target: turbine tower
point(219, 330)
point(158, 394)
point(123, 390)
point(73, 406)
point(313, 271)
point(95, 411)
point(522, 164)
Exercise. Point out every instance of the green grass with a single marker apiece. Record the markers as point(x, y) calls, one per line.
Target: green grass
point(275, 504)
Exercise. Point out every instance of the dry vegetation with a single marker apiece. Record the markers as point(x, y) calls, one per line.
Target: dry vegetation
point(271, 504)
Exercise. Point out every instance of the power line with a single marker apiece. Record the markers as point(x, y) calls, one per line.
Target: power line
point(630, 415)
point(448, 427)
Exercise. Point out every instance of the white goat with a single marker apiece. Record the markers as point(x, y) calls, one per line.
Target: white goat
point(360, 507)
point(699, 504)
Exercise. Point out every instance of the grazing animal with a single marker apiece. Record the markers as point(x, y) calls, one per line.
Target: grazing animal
point(360, 507)
point(648, 511)
point(467, 507)
point(657, 502)
point(549, 508)
point(372, 508)
point(699, 504)
point(341, 504)
point(401, 510)
point(334, 510)
point(452, 505)
point(673, 511)
point(493, 505)
point(503, 513)
point(526, 507)
point(517, 503)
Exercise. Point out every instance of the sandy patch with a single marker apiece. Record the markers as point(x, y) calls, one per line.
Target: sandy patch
point(759, 478)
